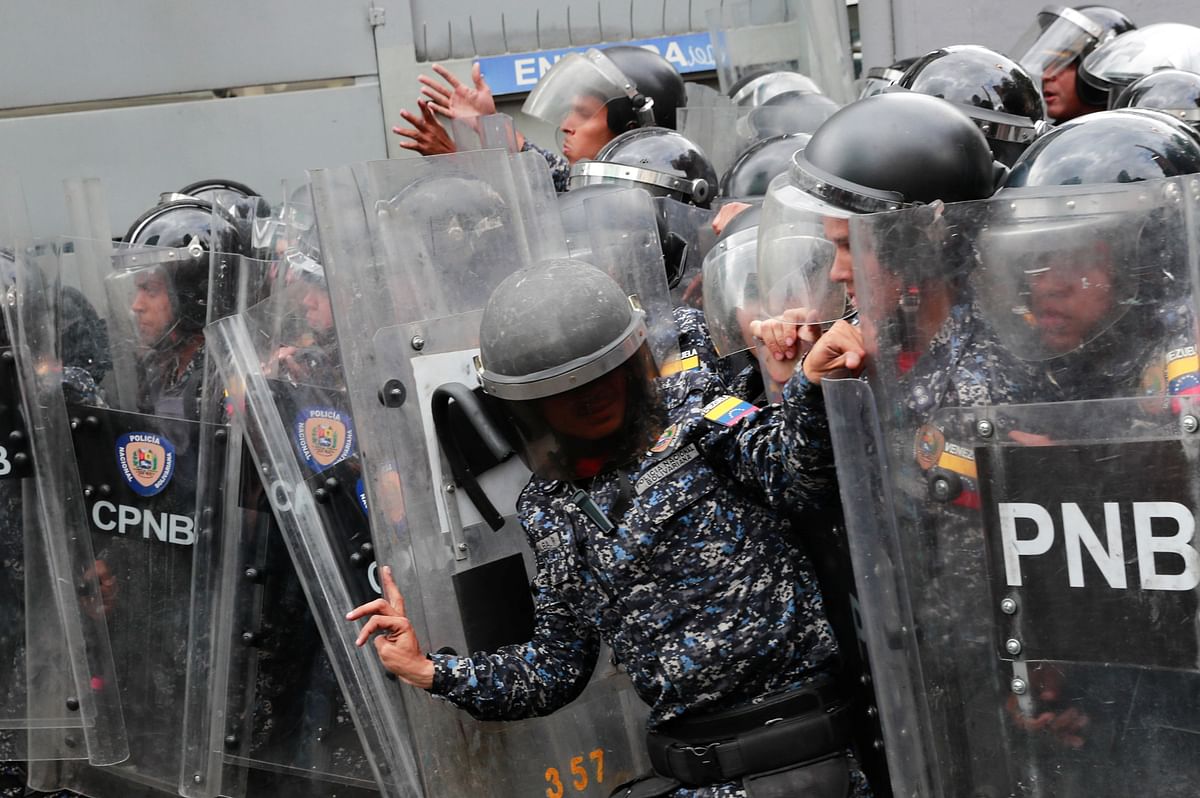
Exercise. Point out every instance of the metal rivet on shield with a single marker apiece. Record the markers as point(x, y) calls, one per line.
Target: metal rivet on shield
point(943, 489)
point(74, 423)
point(356, 559)
point(1018, 686)
point(252, 574)
point(367, 548)
point(332, 483)
point(392, 394)
point(321, 495)
point(91, 421)
point(1070, 205)
point(70, 742)
point(1190, 423)
point(197, 778)
point(985, 428)
point(865, 678)
point(231, 741)
point(418, 343)
point(872, 712)
point(249, 638)
point(220, 435)
point(462, 546)
point(88, 490)
point(73, 704)
point(1013, 646)
point(7, 354)
point(16, 436)
point(1008, 606)
point(20, 459)
point(878, 744)
point(105, 490)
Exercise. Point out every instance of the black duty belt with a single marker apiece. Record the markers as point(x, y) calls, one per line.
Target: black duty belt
point(788, 729)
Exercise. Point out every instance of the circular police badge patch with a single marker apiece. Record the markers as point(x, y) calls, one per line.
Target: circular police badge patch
point(325, 436)
point(928, 446)
point(147, 462)
point(666, 439)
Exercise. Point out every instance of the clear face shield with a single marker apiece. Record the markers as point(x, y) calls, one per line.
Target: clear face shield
point(731, 298)
point(589, 415)
point(1059, 270)
point(576, 89)
point(804, 268)
point(1054, 41)
point(1139, 52)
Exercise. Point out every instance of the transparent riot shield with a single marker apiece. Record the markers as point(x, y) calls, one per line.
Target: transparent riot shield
point(134, 448)
point(811, 38)
point(439, 474)
point(58, 693)
point(485, 132)
point(295, 551)
point(1019, 473)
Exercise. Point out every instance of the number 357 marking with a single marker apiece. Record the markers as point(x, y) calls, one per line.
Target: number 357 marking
point(579, 774)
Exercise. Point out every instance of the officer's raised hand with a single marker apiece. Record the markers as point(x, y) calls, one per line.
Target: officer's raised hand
point(427, 135)
point(841, 348)
point(395, 641)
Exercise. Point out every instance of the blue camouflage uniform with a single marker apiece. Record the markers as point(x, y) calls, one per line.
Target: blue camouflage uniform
point(699, 586)
point(560, 170)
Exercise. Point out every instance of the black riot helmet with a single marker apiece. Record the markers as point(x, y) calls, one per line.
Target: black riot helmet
point(1114, 65)
point(192, 229)
point(1122, 146)
point(992, 89)
point(1172, 91)
point(248, 209)
point(755, 168)
point(638, 87)
point(661, 161)
point(654, 78)
point(893, 150)
point(790, 112)
point(566, 352)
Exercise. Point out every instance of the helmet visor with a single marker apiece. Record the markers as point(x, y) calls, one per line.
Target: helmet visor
point(1059, 268)
point(731, 292)
point(1139, 52)
point(593, 428)
point(1054, 41)
point(576, 88)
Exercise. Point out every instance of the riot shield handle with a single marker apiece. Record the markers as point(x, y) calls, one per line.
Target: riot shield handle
point(485, 448)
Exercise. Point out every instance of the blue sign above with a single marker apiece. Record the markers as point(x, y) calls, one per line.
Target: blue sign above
point(518, 73)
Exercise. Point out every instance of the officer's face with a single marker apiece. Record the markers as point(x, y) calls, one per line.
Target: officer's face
point(317, 309)
point(1062, 103)
point(1070, 296)
point(585, 129)
point(837, 232)
point(590, 412)
point(152, 306)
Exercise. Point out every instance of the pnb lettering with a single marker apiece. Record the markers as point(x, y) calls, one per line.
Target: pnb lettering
point(136, 522)
point(1176, 526)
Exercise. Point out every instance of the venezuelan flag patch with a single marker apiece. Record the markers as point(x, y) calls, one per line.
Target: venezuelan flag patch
point(689, 359)
point(729, 410)
point(1183, 371)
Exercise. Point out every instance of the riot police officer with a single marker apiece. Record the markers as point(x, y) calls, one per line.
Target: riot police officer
point(654, 515)
point(1055, 45)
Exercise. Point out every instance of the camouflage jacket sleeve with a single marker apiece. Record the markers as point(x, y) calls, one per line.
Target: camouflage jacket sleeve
point(559, 168)
point(525, 680)
point(784, 454)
